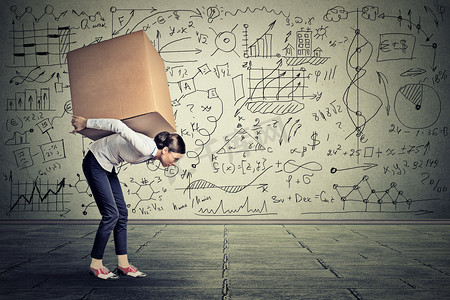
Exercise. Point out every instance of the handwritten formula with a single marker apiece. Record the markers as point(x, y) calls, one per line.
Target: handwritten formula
point(290, 110)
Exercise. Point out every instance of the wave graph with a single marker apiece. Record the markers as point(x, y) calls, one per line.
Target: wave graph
point(232, 189)
point(243, 210)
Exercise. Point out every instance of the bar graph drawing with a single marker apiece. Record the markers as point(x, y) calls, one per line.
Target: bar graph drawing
point(30, 100)
point(262, 47)
point(45, 46)
point(18, 138)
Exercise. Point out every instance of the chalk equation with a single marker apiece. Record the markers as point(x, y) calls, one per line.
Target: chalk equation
point(288, 112)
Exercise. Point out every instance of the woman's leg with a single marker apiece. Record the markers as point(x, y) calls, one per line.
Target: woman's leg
point(120, 230)
point(99, 183)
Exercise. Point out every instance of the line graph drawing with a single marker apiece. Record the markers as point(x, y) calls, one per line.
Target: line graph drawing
point(31, 76)
point(37, 196)
point(171, 52)
point(363, 194)
point(202, 184)
point(276, 91)
point(49, 10)
point(232, 189)
point(243, 210)
point(90, 17)
point(19, 138)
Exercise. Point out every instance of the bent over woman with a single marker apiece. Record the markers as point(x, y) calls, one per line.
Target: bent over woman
point(99, 167)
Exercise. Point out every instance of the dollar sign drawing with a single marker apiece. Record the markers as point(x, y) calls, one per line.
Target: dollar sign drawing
point(315, 141)
point(404, 46)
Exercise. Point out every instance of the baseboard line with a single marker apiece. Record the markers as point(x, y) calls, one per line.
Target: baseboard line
point(229, 221)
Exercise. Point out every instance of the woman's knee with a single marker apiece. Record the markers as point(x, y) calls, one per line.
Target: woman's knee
point(111, 218)
point(123, 216)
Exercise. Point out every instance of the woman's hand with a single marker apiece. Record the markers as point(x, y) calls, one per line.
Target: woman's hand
point(78, 123)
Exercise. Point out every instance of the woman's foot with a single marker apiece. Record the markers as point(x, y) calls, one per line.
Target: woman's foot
point(103, 273)
point(131, 271)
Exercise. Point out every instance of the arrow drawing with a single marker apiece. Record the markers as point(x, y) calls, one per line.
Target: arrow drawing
point(382, 79)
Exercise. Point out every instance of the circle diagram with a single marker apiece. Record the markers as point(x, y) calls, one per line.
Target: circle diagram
point(226, 41)
point(417, 106)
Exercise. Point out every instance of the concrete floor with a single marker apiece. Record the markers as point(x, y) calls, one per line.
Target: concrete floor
point(232, 262)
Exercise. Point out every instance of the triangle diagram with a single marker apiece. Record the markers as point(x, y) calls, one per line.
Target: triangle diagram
point(241, 141)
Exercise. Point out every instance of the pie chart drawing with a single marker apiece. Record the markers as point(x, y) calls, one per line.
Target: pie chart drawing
point(417, 106)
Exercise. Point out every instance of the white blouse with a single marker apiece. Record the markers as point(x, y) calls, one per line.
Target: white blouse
point(124, 145)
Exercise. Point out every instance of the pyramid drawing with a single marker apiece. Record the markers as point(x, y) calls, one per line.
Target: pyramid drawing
point(241, 141)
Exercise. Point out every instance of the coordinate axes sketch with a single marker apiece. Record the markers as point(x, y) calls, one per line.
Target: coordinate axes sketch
point(289, 111)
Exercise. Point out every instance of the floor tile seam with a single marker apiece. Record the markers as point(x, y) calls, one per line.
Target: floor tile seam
point(55, 248)
point(319, 260)
point(399, 252)
point(430, 266)
point(361, 254)
point(49, 252)
point(377, 241)
point(5, 270)
point(151, 240)
point(381, 233)
point(290, 233)
point(226, 288)
point(400, 285)
point(427, 233)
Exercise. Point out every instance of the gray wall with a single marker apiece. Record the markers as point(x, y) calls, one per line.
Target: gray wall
point(291, 110)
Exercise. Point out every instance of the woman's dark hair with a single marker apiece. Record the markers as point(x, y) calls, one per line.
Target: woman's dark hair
point(173, 141)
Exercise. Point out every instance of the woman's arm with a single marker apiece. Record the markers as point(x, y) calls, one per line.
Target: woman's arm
point(116, 126)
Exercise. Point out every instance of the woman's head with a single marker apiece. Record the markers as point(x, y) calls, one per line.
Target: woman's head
point(171, 148)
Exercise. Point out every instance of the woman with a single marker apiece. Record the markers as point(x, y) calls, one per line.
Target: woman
point(99, 168)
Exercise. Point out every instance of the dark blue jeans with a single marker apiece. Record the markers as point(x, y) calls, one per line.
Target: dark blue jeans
point(107, 192)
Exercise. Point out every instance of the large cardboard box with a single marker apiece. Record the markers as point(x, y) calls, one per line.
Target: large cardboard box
point(122, 78)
